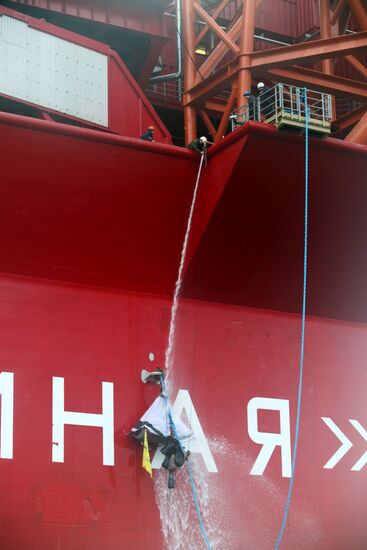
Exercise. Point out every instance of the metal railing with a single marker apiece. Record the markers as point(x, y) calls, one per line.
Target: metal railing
point(285, 105)
point(167, 92)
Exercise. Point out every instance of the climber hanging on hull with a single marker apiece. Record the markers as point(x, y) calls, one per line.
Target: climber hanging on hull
point(175, 457)
point(160, 426)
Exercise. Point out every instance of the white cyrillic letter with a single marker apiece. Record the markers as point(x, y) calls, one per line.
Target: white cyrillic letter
point(270, 440)
point(7, 414)
point(198, 443)
point(60, 417)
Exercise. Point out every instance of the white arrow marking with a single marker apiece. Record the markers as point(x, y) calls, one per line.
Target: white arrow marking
point(345, 443)
point(362, 461)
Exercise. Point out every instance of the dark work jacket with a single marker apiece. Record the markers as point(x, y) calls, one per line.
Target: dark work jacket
point(147, 136)
point(196, 145)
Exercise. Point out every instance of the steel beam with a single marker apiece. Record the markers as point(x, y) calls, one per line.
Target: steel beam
point(208, 123)
point(349, 119)
point(213, 84)
point(325, 32)
point(359, 132)
point(227, 111)
point(216, 28)
point(214, 16)
point(273, 60)
point(358, 66)
point(215, 105)
point(277, 63)
point(338, 11)
point(247, 46)
point(218, 53)
point(359, 11)
point(220, 50)
point(320, 81)
point(309, 51)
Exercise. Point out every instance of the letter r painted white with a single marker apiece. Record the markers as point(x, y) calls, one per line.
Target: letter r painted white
point(198, 442)
point(60, 417)
point(270, 440)
point(7, 414)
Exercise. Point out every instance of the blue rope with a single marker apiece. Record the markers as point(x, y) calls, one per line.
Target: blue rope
point(192, 482)
point(302, 352)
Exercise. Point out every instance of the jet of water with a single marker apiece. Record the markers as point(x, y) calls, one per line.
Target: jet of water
point(178, 285)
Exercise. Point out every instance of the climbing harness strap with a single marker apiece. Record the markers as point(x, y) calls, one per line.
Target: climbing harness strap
point(302, 350)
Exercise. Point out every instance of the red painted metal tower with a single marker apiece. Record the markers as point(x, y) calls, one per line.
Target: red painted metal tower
point(232, 63)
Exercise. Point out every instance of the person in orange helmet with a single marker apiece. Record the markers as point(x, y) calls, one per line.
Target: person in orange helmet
point(148, 135)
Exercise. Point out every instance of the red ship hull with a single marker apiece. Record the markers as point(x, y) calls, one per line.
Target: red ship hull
point(91, 232)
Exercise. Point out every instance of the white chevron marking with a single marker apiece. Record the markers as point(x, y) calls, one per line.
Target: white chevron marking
point(346, 444)
point(361, 461)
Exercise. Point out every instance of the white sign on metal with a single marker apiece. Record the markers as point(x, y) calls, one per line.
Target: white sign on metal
point(53, 73)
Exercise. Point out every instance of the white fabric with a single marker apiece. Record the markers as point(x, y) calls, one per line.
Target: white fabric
point(157, 416)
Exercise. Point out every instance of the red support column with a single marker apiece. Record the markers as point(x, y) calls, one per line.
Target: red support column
point(325, 32)
point(189, 68)
point(246, 47)
point(327, 65)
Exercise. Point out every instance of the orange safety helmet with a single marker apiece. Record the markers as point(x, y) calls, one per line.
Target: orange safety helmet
point(151, 128)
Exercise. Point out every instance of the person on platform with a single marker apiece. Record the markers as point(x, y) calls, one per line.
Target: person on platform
point(261, 88)
point(249, 109)
point(262, 104)
point(148, 135)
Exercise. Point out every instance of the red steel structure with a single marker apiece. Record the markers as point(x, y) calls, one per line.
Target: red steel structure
point(232, 65)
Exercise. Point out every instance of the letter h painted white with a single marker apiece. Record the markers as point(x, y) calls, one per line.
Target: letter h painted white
point(60, 417)
point(7, 414)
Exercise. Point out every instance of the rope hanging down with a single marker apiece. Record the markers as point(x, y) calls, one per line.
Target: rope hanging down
point(302, 351)
point(192, 482)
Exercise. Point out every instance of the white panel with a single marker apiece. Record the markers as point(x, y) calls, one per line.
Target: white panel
point(53, 73)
